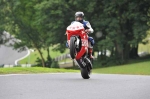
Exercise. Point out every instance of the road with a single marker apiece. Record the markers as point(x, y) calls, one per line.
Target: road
point(72, 86)
point(8, 55)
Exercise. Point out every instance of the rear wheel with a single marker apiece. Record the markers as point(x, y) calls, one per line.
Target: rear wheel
point(85, 72)
point(72, 47)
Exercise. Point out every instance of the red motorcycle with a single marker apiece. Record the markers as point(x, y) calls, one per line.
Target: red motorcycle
point(78, 44)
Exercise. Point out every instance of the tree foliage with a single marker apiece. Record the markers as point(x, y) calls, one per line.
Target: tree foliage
point(40, 24)
point(124, 25)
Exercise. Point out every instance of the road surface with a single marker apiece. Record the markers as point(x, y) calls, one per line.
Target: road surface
point(8, 55)
point(72, 86)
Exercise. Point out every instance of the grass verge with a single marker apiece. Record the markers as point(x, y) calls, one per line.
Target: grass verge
point(142, 68)
point(31, 59)
point(26, 70)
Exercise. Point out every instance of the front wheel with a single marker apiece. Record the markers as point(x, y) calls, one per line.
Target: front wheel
point(72, 47)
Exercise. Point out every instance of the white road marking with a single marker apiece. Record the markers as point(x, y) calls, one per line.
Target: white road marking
point(16, 61)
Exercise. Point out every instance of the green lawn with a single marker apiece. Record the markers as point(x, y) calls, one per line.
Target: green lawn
point(26, 70)
point(142, 68)
point(66, 60)
point(146, 47)
point(34, 55)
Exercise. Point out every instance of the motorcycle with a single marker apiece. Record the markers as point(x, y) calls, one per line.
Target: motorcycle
point(78, 43)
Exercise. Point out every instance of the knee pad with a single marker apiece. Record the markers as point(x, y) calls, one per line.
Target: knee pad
point(91, 40)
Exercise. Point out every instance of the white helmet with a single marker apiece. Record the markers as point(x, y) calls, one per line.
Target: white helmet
point(79, 14)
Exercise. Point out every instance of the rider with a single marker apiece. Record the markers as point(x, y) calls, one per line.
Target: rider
point(79, 16)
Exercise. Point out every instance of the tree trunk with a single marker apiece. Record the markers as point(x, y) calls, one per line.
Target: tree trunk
point(48, 54)
point(134, 52)
point(43, 61)
point(119, 51)
point(48, 57)
point(105, 52)
point(112, 52)
point(126, 51)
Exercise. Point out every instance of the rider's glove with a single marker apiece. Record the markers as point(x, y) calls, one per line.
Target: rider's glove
point(87, 31)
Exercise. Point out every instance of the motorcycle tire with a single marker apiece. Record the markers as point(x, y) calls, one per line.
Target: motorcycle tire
point(72, 47)
point(84, 73)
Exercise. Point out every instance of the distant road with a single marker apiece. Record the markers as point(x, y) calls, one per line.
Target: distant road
point(72, 86)
point(8, 55)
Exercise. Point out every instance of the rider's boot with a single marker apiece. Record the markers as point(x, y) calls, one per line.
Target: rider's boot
point(90, 50)
point(67, 45)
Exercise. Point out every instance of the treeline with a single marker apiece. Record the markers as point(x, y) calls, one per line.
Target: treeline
point(120, 25)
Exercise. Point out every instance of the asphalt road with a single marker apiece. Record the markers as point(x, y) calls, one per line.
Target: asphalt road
point(8, 55)
point(72, 86)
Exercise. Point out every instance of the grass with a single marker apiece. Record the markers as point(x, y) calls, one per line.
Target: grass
point(26, 70)
point(137, 68)
point(146, 47)
point(66, 60)
point(141, 68)
point(31, 59)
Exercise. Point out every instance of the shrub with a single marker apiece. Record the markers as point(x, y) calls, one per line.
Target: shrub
point(54, 64)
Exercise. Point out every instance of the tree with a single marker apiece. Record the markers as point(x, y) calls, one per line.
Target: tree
point(41, 24)
point(36, 24)
point(22, 16)
point(54, 20)
point(4, 20)
point(124, 25)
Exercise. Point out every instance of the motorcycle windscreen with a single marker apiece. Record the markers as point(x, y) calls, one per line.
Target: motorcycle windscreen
point(75, 26)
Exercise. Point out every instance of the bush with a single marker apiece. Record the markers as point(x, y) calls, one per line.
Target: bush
point(54, 64)
point(38, 62)
point(105, 61)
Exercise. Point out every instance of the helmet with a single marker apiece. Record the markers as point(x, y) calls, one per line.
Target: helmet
point(79, 14)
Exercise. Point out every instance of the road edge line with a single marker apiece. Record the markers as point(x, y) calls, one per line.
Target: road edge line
point(16, 61)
